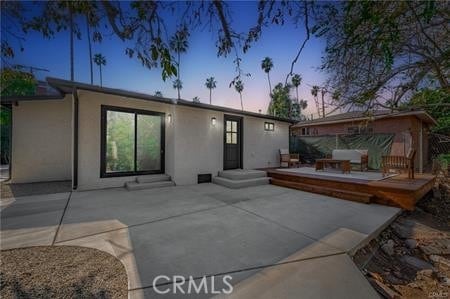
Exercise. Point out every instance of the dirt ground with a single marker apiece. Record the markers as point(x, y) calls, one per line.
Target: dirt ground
point(411, 258)
point(61, 272)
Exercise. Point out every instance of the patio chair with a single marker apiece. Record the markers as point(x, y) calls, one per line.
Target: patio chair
point(399, 162)
point(287, 159)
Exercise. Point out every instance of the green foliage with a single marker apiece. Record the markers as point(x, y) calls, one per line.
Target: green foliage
point(281, 101)
point(267, 64)
point(120, 142)
point(17, 83)
point(437, 103)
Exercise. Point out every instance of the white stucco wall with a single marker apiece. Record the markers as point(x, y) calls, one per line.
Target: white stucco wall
point(90, 137)
point(42, 141)
point(261, 148)
point(199, 145)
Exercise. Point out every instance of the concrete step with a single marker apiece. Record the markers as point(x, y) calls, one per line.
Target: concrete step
point(242, 174)
point(236, 184)
point(152, 178)
point(132, 186)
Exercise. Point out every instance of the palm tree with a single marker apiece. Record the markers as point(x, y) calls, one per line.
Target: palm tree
point(90, 48)
point(315, 93)
point(239, 86)
point(210, 84)
point(296, 81)
point(100, 60)
point(267, 66)
point(178, 85)
point(158, 94)
point(179, 44)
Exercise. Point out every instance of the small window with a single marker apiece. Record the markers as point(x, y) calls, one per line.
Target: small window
point(306, 131)
point(269, 126)
point(231, 132)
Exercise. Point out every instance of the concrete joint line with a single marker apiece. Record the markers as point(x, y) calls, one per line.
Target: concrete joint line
point(62, 217)
point(288, 228)
point(245, 269)
point(139, 224)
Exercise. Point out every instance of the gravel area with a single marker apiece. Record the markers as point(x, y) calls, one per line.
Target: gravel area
point(411, 258)
point(61, 272)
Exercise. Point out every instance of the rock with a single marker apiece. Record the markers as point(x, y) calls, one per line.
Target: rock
point(411, 243)
point(439, 259)
point(410, 229)
point(388, 247)
point(383, 289)
point(416, 263)
point(438, 246)
point(375, 276)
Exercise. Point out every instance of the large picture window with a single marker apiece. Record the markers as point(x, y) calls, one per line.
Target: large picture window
point(132, 142)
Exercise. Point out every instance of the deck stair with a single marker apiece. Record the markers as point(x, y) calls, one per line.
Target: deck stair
point(329, 191)
point(150, 182)
point(241, 178)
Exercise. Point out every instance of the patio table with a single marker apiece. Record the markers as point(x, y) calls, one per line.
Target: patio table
point(344, 165)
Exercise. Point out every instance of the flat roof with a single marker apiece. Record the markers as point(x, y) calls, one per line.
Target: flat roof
point(67, 87)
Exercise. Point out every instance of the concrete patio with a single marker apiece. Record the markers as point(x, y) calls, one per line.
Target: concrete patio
point(272, 241)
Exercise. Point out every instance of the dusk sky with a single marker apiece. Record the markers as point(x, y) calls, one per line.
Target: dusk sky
point(281, 43)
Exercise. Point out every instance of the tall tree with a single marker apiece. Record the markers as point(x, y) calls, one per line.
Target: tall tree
point(179, 44)
point(210, 84)
point(315, 93)
point(72, 54)
point(178, 85)
point(100, 60)
point(239, 86)
point(281, 103)
point(266, 66)
point(88, 33)
point(296, 81)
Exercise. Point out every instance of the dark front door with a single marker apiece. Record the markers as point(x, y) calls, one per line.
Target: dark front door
point(232, 142)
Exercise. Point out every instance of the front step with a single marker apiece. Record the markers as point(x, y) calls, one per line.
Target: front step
point(241, 174)
point(236, 184)
point(342, 194)
point(153, 178)
point(132, 186)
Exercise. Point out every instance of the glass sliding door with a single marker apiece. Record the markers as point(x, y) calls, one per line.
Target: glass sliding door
point(132, 142)
point(119, 142)
point(148, 156)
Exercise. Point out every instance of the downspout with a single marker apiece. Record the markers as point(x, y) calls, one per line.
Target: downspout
point(75, 139)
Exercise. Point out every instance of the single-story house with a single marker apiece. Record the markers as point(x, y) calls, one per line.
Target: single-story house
point(100, 137)
point(410, 129)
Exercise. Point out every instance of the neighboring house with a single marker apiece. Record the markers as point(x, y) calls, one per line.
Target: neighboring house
point(103, 137)
point(410, 129)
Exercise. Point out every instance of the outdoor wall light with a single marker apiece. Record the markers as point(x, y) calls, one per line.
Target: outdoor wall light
point(213, 121)
point(169, 118)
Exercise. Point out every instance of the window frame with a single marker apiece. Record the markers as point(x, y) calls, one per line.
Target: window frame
point(103, 128)
point(269, 126)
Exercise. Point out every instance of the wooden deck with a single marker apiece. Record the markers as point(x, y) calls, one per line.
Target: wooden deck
point(396, 191)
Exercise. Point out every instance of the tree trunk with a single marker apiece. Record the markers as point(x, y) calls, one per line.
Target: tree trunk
point(270, 85)
point(90, 50)
point(178, 74)
point(72, 75)
point(210, 92)
point(101, 79)
point(242, 105)
point(298, 104)
point(323, 104)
